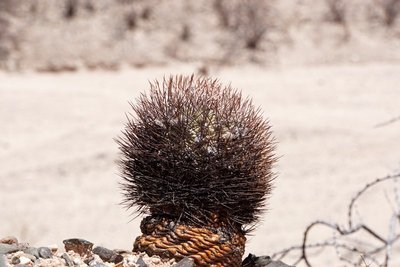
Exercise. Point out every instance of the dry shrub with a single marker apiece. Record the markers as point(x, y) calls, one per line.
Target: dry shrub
point(252, 22)
point(249, 20)
point(336, 11)
point(3, 28)
point(146, 13)
point(89, 6)
point(10, 33)
point(71, 9)
point(391, 10)
point(359, 242)
point(186, 33)
point(224, 11)
point(136, 14)
point(131, 20)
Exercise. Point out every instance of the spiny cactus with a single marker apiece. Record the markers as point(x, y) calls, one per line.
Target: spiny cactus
point(196, 153)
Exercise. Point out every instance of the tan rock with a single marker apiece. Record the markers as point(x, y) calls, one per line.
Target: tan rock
point(9, 240)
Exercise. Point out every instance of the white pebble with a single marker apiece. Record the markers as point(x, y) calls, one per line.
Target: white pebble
point(24, 260)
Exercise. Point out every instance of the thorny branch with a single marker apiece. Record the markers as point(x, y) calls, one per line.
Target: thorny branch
point(364, 255)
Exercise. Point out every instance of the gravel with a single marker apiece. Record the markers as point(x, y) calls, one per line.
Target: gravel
point(79, 252)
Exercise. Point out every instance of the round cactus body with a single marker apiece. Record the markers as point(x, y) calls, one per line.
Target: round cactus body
point(196, 155)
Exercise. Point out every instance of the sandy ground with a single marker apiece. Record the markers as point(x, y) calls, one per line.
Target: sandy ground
point(58, 177)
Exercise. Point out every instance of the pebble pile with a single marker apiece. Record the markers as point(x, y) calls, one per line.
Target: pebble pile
point(80, 253)
point(77, 252)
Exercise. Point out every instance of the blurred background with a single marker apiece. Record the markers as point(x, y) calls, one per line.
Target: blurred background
point(325, 73)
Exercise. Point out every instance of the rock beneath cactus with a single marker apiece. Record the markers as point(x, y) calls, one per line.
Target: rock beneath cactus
point(185, 262)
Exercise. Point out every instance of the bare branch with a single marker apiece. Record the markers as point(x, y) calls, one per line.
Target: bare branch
point(343, 235)
point(359, 193)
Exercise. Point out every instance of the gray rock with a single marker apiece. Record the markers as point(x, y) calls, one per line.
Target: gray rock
point(262, 261)
point(108, 255)
point(121, 251)
point(185, 262)
point(277, 264)
point(117, 259)
point(67, 259)
point(88, 259)
point(2, 261)
point(45, 253)
point(32, 251)
point(104, 253)
point(6, 248)
point(98, 264)
point(141, 263)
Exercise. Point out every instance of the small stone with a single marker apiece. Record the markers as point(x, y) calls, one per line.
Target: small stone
point(99, 264)
point(52, 262)
point(15, 260)
point(104, 253)
point(53, 248)
point(263, 261)
point(277, 264)
point(45, 252)
point(9, 240)
point(67, 259)
point(121, 251)
point(130, 260)
point(185, 262)
point(6, 248)
point(29, 256)
point(117, 259)
point(107, 255)
point(24, 260)
point(80, 246)
point(141, 263)
point(87, 260)
point(156, 260)
point(96, 258)
point(77, 261)
point(32, 251)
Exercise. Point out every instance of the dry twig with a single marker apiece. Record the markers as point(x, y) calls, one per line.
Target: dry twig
point(385, 245)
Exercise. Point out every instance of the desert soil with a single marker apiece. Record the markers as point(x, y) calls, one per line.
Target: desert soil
point(59, 177)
